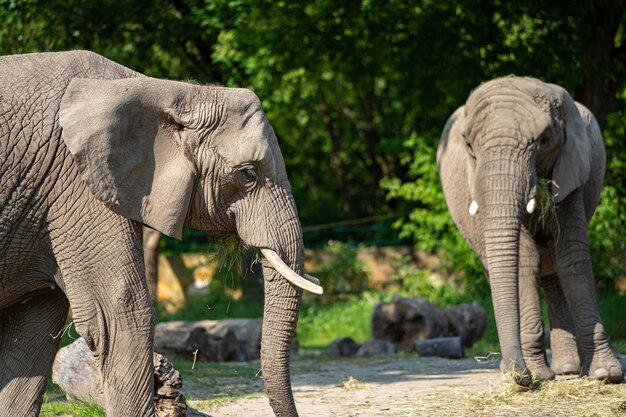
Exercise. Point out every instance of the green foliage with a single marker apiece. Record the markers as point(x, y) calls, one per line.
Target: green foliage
point(340, 271)
point(320, 324)
point(612, 307)
point(434, 287)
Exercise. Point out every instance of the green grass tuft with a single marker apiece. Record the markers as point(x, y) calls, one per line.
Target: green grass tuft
point(547, 211)
point(74, 409)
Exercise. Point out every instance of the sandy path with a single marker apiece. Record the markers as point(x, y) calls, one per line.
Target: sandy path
point(400, 386)
point(404, 386)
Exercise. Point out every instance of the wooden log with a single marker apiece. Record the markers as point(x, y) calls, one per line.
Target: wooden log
point(168, 400)
point(406, 320)
point(443, 347)
point(76, 372)
point(217, 340)
point(468, 321)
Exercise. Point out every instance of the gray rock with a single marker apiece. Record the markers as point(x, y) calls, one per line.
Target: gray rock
point(343, 346)
point(376, 347)
point(76, 372)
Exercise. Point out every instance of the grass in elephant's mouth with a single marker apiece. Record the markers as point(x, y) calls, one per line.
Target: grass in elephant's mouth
point(547, 210)
point(575, 397)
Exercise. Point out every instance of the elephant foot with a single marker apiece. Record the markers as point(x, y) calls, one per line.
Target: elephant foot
point(606, 368)
point(517, 370)
point(541, 371)
point(567, 367)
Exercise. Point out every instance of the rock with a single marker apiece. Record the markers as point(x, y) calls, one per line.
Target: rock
point(376, 347)
point(217, 340)
point(443, 347)
point(76, 372)
point(404, 321)
point(343, 346)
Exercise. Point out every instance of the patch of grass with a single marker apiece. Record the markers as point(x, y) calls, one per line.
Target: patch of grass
point(547, 207)
point(320, 324)
point(219, 401)
point(74, 409)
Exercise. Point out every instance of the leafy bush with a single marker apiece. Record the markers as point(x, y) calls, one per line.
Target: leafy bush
point(340, 270)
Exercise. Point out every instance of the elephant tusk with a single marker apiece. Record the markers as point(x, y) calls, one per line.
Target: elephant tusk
point(307, 283)
point(312, 279)
point(473, 208)
point(530, 207)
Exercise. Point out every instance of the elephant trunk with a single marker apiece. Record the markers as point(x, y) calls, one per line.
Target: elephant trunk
point(282, 307)
point(503, 202)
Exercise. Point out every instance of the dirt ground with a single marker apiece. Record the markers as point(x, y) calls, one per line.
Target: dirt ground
point(399, 386)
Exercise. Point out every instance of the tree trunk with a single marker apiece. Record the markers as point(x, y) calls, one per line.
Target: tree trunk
point(602, 61)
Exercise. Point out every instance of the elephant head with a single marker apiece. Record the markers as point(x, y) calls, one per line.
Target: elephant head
point(171, 154)
point(516, 131)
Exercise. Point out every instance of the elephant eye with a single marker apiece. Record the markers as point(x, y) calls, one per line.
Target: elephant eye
point(543, 141)
point(247, 177)
point(250, 175)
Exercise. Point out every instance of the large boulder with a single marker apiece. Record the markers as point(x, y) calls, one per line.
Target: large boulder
point(76, 372)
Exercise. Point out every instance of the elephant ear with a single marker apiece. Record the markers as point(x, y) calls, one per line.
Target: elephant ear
point(452, 143)
point(573, 165)
point(130, 148)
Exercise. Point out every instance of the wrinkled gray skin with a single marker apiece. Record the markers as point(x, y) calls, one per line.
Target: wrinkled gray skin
point(511, 132)
point(90, 150)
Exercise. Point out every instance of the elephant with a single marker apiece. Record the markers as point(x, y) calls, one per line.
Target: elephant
point(521, 166)
point(90, 152)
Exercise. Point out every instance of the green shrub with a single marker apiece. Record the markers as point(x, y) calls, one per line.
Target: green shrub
point(340, 271)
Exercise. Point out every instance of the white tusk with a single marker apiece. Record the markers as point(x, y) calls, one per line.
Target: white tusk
point(473, 208)
point(312, 279)
point(530, 207)
point(308, 283)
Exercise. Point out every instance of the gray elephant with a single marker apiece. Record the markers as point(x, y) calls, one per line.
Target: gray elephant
point(90, 151)
point(522, 167)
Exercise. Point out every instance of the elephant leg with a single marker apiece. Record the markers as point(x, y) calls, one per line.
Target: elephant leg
point(30, 333)
point(565, 360)
point(531, 322)
point(574, 266)
point(112, 311)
